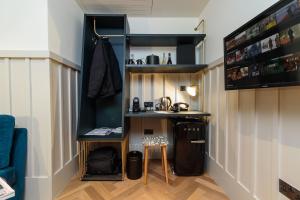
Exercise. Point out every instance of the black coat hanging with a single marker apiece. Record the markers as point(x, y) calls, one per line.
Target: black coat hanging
point(105, 77)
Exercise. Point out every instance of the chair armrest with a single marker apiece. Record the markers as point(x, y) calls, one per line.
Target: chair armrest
point(18, 160)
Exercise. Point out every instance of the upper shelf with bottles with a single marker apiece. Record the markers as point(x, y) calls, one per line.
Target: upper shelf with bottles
point(175, 53)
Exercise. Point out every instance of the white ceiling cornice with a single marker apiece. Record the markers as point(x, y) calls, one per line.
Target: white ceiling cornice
point(145, 8)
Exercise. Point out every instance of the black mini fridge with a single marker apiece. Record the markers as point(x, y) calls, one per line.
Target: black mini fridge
point(189, 147)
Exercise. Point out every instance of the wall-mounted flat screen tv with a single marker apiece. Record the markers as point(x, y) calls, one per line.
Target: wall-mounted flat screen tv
point(265, 52)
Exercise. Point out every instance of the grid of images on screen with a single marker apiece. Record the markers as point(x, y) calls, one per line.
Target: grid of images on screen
point(237, 72)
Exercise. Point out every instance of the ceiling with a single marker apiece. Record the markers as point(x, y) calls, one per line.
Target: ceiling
point(151, 8)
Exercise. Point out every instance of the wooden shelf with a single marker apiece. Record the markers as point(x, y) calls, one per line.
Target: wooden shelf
point(164, 39)
point(113, 137)
point(170, 114)
point(108, 177)
point(165, 68)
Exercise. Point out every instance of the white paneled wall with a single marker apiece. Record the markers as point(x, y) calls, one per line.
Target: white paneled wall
point(42, 95)
point(64, 96)
point(254, 138)
point(25, 94)
point(151, 87)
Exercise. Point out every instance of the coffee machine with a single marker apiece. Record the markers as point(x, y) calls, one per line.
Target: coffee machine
point(136, 105)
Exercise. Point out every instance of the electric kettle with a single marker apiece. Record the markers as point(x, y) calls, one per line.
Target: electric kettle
point(165, 103)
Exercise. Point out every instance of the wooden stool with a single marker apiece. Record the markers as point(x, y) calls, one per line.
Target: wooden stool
point(151, 142)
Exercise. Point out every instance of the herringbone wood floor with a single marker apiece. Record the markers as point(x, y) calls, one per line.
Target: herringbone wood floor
point(179, 188)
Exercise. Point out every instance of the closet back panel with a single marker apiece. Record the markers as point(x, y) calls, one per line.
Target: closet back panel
point(109, 110)
point(110, 24)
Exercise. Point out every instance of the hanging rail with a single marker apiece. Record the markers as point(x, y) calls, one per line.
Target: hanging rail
point(199, 24)
point(104, 36)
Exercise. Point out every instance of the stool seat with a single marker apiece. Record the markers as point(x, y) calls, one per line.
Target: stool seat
point(155, 140)
point(151, 141)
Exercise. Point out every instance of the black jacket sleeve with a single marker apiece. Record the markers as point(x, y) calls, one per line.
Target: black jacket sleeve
point(114, 69)
point(113, 80)
point(105, 76)
point(97, 71)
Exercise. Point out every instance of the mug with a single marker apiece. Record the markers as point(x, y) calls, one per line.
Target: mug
point(140, 62)
point(131, 62)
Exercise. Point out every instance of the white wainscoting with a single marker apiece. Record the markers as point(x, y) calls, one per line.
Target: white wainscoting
point(254, 138)
point(64, 99)
point(151, 87)
point(42, 95)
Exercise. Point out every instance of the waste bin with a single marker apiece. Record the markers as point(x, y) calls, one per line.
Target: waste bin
point(134, 166)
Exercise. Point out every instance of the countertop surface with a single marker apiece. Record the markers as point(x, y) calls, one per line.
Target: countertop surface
point(167, 114)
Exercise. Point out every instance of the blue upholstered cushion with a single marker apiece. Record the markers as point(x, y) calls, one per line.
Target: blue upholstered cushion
point(7, 125)
point(9, 174)
point(18, 160)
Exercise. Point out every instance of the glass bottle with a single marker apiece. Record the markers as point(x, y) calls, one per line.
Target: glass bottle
point(169, 59)
point(164, 60)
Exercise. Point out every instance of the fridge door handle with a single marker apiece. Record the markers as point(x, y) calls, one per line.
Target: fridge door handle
point(198, 141)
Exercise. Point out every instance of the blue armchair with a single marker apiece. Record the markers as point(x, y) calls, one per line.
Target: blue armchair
point(13, 154)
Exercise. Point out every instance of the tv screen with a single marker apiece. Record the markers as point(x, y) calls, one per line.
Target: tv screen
point(265, 52)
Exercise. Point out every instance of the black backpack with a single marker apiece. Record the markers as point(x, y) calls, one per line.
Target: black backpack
point(102, 161)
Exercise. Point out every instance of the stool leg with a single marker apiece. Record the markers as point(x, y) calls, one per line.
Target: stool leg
point(146, 164)
point(165, 163)
point(162, 159)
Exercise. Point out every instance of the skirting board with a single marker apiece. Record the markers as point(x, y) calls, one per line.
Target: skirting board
point(63, 177)
point(228, 183)
point(38, 188)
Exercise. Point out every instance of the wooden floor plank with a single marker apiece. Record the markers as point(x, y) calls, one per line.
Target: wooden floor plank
point(179, 188)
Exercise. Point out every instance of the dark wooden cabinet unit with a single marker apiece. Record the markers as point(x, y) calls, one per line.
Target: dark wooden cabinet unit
point(113, 111)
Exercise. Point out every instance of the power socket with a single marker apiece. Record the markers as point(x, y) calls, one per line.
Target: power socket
point(288, 190)
point(148, 132)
